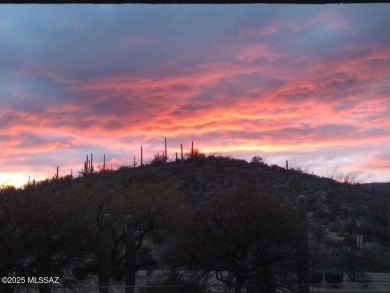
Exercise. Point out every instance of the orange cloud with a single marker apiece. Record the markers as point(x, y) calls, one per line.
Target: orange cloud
point(258, 100)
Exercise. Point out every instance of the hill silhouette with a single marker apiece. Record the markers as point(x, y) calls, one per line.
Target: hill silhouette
point(61, 218)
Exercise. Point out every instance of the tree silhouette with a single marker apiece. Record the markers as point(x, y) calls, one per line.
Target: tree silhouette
point(243, 232)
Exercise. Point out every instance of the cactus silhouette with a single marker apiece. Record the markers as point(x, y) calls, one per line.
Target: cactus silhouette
point(165, 152)
point(303, 262)
point(104, 260)
point(142, 157)
point(130, 255)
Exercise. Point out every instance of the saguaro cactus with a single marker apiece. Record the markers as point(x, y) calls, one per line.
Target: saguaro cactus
point(130, 255)
point(91, 167)
point(303, 259)
point(88, 165)
point(104, 261)
point(165, 152)
point(142, 163)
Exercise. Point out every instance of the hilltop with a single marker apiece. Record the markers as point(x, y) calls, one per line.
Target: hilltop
point(202, 176)
point(63, 215)
point(337, 211)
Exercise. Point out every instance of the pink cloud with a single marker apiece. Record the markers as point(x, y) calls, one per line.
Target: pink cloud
point(258, 98)
point(254, 52)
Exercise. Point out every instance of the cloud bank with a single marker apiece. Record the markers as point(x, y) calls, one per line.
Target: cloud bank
point(304, 83)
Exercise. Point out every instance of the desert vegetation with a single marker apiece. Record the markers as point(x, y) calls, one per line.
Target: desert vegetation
point(209, 215)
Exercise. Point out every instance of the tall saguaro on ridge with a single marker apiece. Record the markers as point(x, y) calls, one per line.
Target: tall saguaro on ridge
point(91, 167)
point(141, 157)
point(165, 154)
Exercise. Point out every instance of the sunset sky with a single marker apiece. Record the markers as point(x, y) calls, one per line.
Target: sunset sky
point(305, 83)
